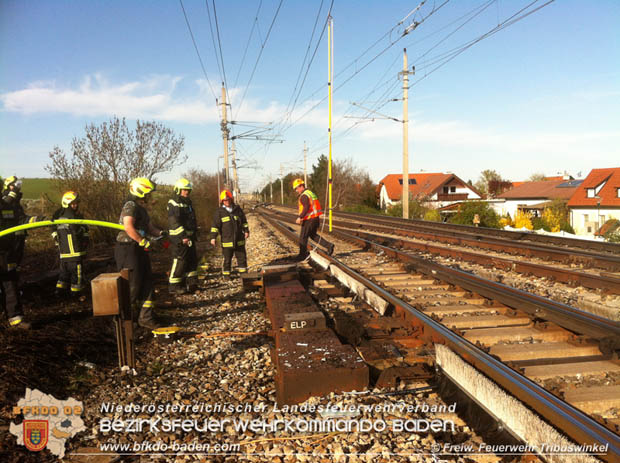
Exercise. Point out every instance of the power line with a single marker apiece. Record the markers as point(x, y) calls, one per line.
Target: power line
point(391, 44)
point(219, 42)
point(204, 71)
point(254, 25)
point(506, 23)
point(446, 57)
point(260, 53)
point(217, 61)
point(288, 112)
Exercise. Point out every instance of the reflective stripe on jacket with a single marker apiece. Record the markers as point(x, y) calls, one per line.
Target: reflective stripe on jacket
point(181, 219)
point(315, 206)
point(72, 238)
point(232, 226)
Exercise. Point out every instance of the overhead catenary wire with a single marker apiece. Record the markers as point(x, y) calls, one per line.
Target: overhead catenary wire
point(374, 58)
point(204, 71)
point(247, 45)
point(366, 116)
point(219, 43)
point(289, 108)
point(504, 24)
point(443, 58)
point(262, 48)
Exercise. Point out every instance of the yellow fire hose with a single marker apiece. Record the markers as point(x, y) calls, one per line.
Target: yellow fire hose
point(51, 223)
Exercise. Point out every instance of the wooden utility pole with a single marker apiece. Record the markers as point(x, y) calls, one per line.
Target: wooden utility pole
point(305, 164)
point(405, 198)
point(225, 132)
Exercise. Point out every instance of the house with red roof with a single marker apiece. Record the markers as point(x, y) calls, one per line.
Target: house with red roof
point(533, 197)
point(437, 189)
point(596, 200)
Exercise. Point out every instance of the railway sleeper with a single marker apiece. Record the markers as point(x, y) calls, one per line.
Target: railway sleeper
point(310, 359)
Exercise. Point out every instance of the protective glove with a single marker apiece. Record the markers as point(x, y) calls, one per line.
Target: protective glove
point(164, 234)
point(146, 244)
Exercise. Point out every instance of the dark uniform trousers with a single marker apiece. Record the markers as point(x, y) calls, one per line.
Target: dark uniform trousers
point(134, 258)
point(240, 255)
point(184, 265)
point(70, 274)
point(9, 297)
point(309, 229)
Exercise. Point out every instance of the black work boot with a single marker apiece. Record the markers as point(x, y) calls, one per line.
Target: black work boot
point(146, 319)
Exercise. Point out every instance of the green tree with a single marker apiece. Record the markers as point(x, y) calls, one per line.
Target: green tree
point(468, 209)
point(417, 209)
point(432, 215)
point(487, 176)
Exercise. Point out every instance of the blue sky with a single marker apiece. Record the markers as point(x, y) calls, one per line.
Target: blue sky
point(540, 96)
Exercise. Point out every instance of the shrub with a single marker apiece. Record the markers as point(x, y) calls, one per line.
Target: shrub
point(523, 220)
point(505, 221)
point(432, 215)
point(540, 223)
point(417, 210)
point(467, 211)
point(103, 162)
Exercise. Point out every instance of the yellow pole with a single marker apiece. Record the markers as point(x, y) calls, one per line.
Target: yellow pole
point(405, 201)
point(329, 130)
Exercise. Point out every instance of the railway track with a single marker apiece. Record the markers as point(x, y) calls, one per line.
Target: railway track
point(554, 359)
point(575, 267)
point(477, 232)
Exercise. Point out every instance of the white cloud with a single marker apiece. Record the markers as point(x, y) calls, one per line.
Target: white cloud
point(156, 97)
point(152, 98)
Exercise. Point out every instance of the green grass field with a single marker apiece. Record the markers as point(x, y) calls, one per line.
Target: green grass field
point(34, 188)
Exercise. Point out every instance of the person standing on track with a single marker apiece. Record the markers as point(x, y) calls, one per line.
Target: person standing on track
point(230, 222)
point(72, 241)
point(132, 246)
point(309, 213)
point(12, 250)
point(182, 229)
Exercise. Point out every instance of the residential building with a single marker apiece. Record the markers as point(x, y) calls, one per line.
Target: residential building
point(596, 200)
point(533, 197)
point(436, 189)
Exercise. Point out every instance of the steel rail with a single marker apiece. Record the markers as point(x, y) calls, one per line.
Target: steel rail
point(484, 231)
point(608, 262)
point(604, 281)
point(577, 425)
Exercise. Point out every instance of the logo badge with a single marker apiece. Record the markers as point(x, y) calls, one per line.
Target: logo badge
point(35, 434)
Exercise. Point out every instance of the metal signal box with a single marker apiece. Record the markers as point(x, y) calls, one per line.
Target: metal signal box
point(106, 289)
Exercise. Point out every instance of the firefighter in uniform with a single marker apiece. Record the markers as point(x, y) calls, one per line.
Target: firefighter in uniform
point(72, 242)
point(182, 230)
point(12, 250)
point(309, 213)
point(132, 246)
point(230, 222)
